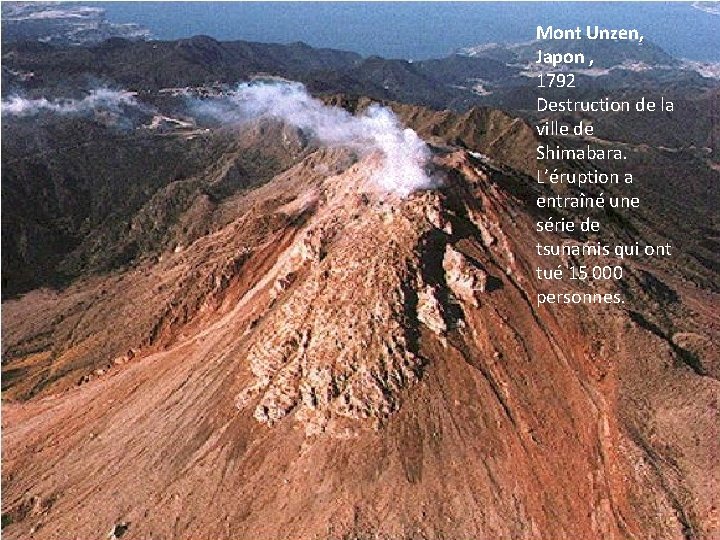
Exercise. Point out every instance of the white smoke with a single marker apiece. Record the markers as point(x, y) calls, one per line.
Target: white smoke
point(98, 99)
point(405, 154)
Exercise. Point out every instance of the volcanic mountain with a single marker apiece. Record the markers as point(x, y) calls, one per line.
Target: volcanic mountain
point(217, 326)
point(294, 351)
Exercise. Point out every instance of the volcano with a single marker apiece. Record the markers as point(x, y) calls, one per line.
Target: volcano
point(246, 332)
point(333, 360)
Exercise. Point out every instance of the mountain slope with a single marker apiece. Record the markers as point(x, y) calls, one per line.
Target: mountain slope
point(366, 366)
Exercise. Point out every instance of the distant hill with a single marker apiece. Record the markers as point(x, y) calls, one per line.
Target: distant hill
point(62, 24)
point(606, 54)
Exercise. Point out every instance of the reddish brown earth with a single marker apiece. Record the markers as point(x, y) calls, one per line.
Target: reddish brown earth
point(340, 363)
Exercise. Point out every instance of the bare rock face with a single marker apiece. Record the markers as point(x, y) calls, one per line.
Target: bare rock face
point(430, 311)
point(466, 280)
point(336, 347)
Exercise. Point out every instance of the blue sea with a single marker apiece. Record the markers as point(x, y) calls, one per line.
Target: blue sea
point(418, 30)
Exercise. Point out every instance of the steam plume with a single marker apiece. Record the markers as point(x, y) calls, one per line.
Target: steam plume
point(97, 99)
point(405, 154)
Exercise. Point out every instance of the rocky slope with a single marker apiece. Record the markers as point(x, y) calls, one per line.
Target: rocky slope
point(79, 198)
point(330, 360)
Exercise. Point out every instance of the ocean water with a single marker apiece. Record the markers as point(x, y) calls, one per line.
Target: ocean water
point(418, 30)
